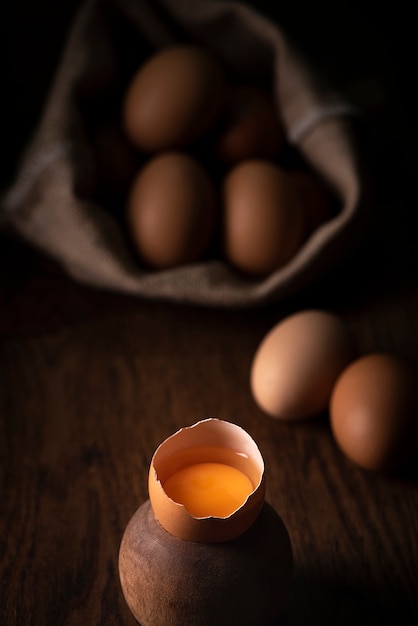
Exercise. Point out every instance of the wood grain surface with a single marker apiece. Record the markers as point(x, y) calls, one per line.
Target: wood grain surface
point(92, 382)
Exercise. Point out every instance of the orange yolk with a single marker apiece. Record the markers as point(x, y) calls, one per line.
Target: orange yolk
point(209, 489)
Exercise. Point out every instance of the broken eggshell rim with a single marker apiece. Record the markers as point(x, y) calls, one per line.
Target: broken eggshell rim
point(173, 516)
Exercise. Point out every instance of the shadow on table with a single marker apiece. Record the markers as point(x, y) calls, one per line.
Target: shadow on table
point(315, 601)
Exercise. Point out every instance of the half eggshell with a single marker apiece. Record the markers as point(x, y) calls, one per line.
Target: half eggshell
point(219, 442)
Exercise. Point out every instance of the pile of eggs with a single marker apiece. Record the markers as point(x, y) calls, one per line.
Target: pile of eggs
point(308, 364)
point(211, 177)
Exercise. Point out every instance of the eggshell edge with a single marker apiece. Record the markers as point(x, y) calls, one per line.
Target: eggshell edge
point(174, 517)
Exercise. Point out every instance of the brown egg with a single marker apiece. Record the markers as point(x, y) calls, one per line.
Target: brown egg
point(297, 363)
point(264, 218)
point(252, 128)
point(173, 98)
point(373, 411)
point(171, 210)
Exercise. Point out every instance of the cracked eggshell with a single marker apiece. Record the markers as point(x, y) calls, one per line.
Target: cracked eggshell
point(226, 439)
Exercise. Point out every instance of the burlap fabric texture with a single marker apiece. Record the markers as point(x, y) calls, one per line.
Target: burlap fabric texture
point(48, 205)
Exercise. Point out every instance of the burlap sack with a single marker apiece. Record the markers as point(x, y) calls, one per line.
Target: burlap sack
point(48, 203)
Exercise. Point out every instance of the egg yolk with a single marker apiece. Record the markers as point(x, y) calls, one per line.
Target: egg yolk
point(209, 489)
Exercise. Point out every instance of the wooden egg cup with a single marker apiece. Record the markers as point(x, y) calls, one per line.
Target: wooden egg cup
point(169, 581)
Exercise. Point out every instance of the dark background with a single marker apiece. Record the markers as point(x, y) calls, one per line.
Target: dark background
point(368, 51)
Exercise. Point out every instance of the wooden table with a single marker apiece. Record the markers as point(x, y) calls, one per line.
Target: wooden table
point(92, 382)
